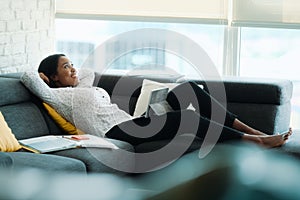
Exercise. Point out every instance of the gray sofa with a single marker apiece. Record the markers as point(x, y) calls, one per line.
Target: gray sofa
point(265, 104)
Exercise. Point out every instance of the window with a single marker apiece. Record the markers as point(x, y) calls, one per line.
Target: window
point(270, 52)
point(96, 32)
point(273, 53)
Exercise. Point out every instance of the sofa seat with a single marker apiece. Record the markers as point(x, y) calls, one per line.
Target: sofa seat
point(96, 159)
point(47, 162)
point(6, 160)
point(183, 143)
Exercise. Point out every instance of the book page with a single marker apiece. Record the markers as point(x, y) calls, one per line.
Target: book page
point(92, 141)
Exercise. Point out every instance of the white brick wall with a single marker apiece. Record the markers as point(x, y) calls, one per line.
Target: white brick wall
point(26, 33)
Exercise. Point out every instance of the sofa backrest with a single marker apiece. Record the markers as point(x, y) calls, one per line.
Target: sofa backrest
point(23, 112)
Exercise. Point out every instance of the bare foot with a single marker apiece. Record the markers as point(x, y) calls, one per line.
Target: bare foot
point(269, 141)
point(287, 134)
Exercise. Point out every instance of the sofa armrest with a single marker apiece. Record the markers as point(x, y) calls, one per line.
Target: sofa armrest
point(254, 90)
point(264, 104)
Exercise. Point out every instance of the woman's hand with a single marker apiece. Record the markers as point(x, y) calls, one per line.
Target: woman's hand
point(44, 78)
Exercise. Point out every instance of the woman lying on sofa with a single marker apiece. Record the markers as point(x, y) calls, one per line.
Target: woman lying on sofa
point(72, 95)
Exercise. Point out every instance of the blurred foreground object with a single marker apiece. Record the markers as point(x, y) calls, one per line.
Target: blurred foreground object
point(228, 172)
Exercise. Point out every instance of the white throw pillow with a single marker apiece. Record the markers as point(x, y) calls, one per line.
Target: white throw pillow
point(147, 87)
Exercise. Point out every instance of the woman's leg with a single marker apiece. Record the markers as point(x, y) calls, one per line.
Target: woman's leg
point(238, 125)
point(177, 122)
point(181, 122)
point(188, 93)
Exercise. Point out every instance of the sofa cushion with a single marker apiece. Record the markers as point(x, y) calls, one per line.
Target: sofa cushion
point(95, 158)
point(46, 162)
point(23, 111)
point(16, 94)
point(25, 120)
point(181, 142)
point(8, 142)
point(268, 118)
point(259, 91)
point(5, 160)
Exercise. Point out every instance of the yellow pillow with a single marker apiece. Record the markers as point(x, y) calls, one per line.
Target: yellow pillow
point(62, 122)
point(8, 142)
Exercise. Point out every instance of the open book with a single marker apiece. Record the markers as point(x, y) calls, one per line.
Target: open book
point(51, 143)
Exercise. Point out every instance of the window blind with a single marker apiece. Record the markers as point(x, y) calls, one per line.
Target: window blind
point(266, 12)
point(187, 9)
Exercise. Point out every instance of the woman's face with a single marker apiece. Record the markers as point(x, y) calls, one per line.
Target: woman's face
point(66, 74)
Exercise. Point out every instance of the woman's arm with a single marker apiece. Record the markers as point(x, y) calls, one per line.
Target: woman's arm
point(86, 77)
point(33, 81)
